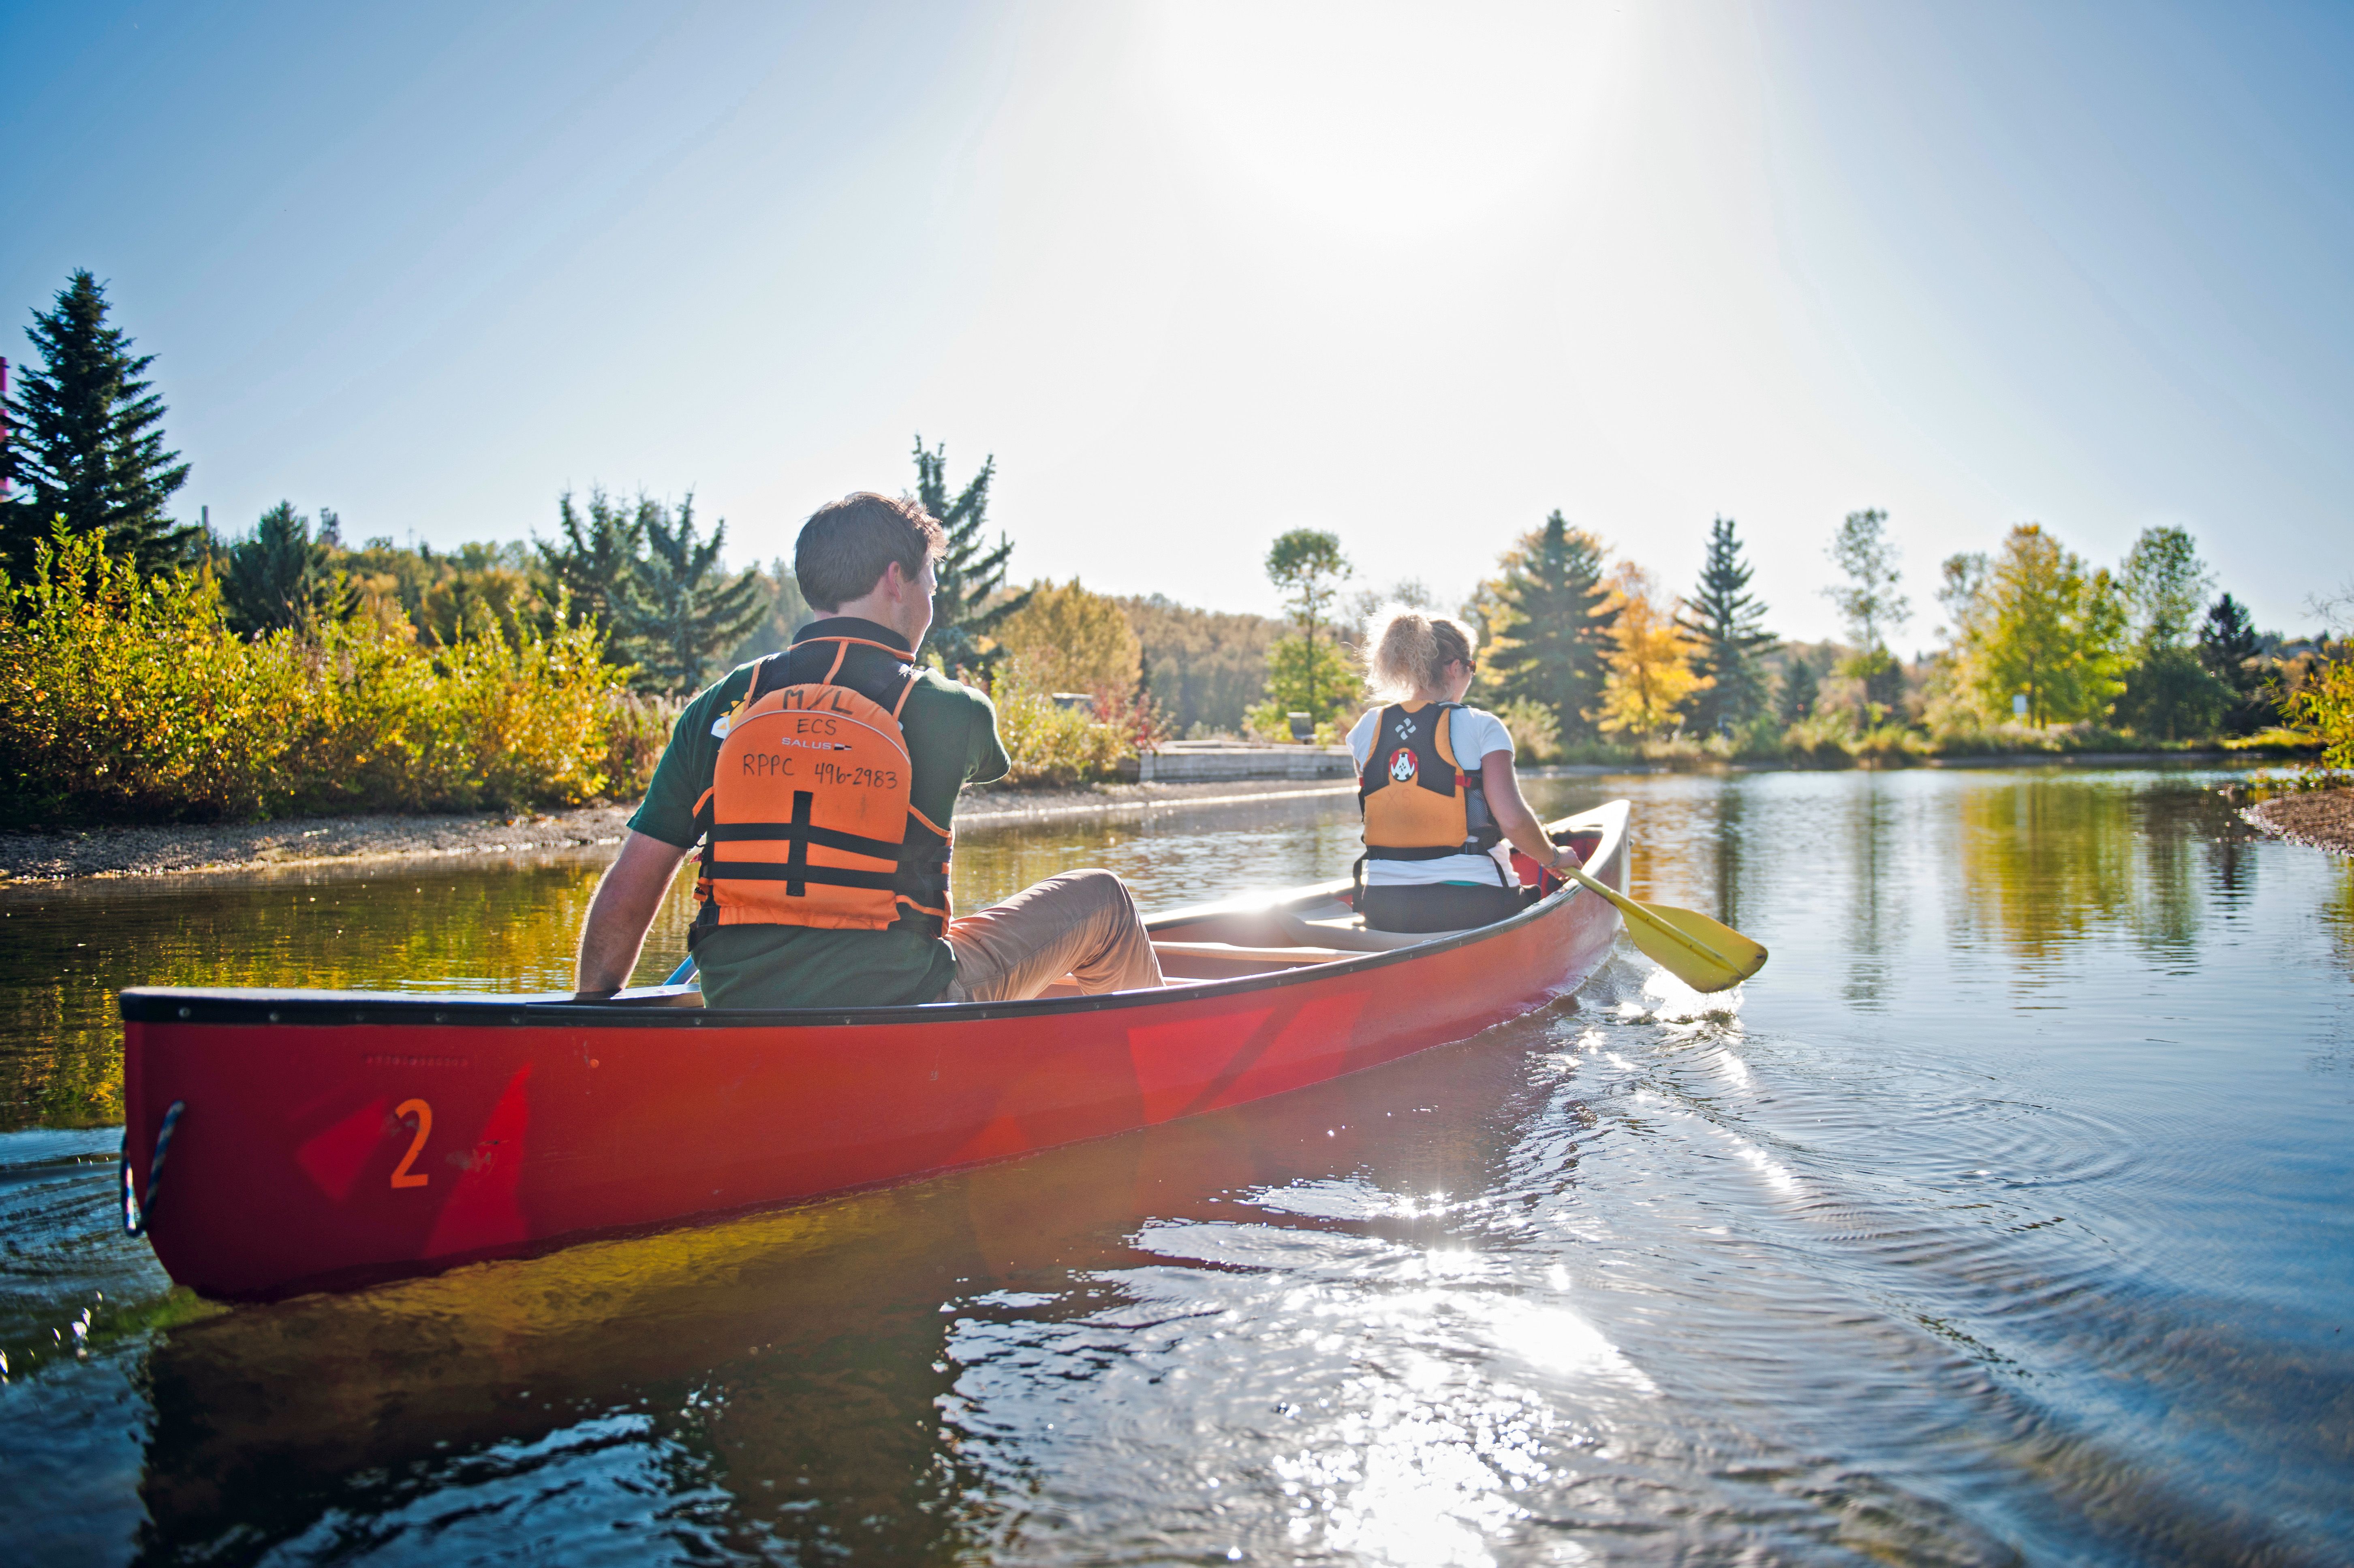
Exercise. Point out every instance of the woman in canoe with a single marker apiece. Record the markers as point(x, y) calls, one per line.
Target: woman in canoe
point(1437, 786)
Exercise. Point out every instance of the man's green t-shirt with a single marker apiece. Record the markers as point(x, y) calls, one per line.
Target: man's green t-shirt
point(951, 733)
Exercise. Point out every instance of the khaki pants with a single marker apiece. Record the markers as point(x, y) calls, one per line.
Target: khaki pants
point(1082, 923)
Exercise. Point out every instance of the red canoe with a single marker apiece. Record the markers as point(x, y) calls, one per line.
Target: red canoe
point(326, 1139)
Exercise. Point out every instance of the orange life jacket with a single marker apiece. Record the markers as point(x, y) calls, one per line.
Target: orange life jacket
point(807, 822)
point(1418, 801)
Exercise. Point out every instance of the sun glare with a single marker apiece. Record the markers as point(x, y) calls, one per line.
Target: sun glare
point(1386, 121)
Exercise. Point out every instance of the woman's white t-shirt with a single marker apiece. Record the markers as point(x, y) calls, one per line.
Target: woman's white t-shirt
point(1473, 734)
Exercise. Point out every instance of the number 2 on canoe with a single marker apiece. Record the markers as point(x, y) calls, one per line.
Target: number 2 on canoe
point(401, 1176)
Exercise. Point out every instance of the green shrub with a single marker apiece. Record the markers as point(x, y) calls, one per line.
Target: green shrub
point(1052, 746)
point(1271, 721)
point(1680, 753)
point(1536, 732)
point(637, 728)
point(130, 699)
point(1760, 740)
point(1819, 740)
point(1888, 745)
point(2325, 705)
point(1596, 752)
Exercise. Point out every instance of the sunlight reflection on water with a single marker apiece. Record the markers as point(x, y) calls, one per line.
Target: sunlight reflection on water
point(2001, 1218)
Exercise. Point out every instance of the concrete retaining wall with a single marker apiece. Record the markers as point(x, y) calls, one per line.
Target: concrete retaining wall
point(1191, 762)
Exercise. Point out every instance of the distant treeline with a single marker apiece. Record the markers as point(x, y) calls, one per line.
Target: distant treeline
point(158, 667)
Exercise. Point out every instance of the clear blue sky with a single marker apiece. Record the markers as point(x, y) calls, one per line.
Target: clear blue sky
point(1200, 272)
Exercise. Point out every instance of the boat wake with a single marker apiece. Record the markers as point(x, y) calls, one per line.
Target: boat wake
point(1633, 990)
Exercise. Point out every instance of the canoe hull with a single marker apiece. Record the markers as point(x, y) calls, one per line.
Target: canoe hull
point(333, 1140)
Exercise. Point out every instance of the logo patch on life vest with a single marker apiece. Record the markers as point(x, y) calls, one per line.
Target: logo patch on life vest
point(1402, 766)
point(1404, 729)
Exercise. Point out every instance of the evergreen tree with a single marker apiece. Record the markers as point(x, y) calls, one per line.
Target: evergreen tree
point(2233, 653)
point(1800, 689)
point(971, 571)
point(787, 613)
point(280, 576)
point(84, 440)
point(1727, 622)
point(597, 560)
point(1550, 620)
point(682, 615)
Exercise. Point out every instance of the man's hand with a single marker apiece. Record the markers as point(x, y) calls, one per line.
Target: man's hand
point(622, 912)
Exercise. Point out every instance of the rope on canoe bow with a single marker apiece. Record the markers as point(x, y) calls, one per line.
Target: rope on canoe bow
point(135, 1218)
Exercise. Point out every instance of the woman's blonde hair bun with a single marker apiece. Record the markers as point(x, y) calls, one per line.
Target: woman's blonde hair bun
point(1412, 648)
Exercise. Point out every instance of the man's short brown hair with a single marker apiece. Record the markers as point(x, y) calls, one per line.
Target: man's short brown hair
point(847, 545)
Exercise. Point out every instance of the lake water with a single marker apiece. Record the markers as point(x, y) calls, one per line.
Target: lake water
point(2007, 1217)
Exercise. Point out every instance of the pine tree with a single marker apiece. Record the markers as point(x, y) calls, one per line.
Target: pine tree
point(1549, 630)
point(85, 441)
point(2232, 652)
point(682, 615)
point(1728, 624)
point(1801, 688)
point(280, 575)
point(597, 560)
point(970, 571)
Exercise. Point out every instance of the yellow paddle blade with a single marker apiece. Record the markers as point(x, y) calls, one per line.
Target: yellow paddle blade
point(1706, 955)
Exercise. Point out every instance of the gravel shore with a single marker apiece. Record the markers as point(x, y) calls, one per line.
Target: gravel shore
point(2323, 819)
point(57, 855)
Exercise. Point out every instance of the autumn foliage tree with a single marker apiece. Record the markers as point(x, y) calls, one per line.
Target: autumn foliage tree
point(1651, 662)
point(1073, 641)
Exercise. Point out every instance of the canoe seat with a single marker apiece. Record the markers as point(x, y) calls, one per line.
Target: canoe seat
point(1224, 960)
point(1347, 932)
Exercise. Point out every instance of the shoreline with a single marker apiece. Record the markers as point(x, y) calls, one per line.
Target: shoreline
point(116, 851)
point(72, 854)
point(2319, 818)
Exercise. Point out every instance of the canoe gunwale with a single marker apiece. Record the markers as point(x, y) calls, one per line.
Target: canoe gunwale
point(668, 1008)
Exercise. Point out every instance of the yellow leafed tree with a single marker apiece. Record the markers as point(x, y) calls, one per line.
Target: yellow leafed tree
point(1650, 660)
point(1073, 641)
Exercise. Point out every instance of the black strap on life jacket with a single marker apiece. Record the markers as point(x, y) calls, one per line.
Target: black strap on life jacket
point(883, 677)
point(795, 870)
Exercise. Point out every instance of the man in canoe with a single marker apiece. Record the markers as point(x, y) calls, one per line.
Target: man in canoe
point(822, 783)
